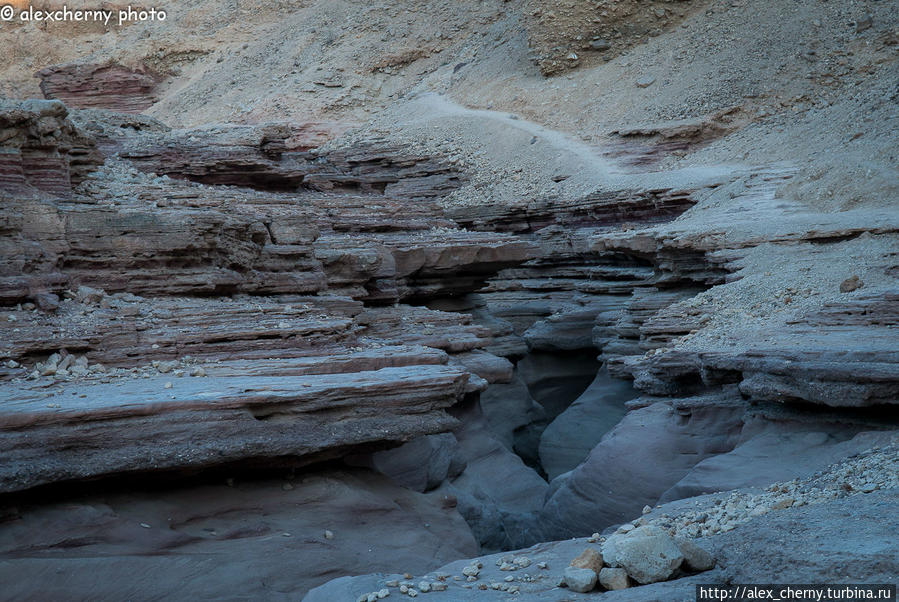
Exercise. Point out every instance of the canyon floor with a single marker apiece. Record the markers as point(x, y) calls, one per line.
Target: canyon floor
point(553, 300)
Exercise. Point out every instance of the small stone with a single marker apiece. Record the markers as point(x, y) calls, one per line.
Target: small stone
point(613, 579)
point(864, 23)
point(404, 589)
point(168, 384)
point(86, 294)
point(392, 583)
point(383, 593)
point(600, 45)
point(166, 367)
point(513, 589)
point(198, 372)
point(12, 364)
point(48, 369)
point(145, 525)
point(47, 301)
point(867, 488)
point(438, 587)
point(541, 565)
point(522, 561)
point(645, 81)
point(626, 528)
point(851, 284)
point(784, 503)
point(411, 593)
point(471, 570)
point(407, 575)
point(579, 580)
point(286, 487)
point(588, 559)
point(98, 368)
point(66, 362)
point(424, 587)
point(647, 509)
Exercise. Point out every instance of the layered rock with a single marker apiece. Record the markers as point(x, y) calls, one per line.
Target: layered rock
point(88, 430)
point(41, 151)
point(104, 86)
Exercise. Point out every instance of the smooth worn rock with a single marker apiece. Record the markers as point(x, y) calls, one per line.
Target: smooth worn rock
point(647, 553)
point(613, 578)
point(579, 580)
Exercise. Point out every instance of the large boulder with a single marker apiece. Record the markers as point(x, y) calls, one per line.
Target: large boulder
point(647, 553)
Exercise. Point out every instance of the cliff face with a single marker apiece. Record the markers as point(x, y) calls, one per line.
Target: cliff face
point(387, 328)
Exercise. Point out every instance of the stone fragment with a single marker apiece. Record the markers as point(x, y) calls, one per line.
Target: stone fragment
point(613, 578)
point(851, 284)
point(86, 294)
point(588, 559)
point(579, 580)
point(47, 301)
point(645, 81)
point(600, 45)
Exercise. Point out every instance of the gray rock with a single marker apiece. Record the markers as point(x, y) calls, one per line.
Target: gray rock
point(86, 294)
point(695, 558)
point(645, 81)
point(47, 301)
point(580, 580)
point(647, 553)
point(613, 578)
point(600, 45)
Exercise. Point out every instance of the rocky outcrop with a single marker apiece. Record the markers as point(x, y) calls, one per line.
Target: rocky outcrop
point(103, 86)
point(90, 430)
point(230, 323)
point(41, 151)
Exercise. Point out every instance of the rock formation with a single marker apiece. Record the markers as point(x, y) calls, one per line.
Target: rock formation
point(349, 304)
